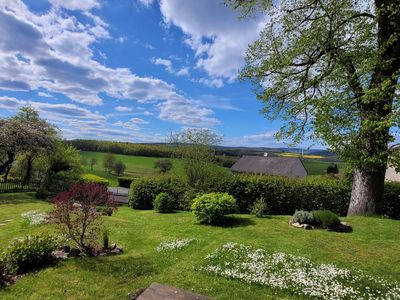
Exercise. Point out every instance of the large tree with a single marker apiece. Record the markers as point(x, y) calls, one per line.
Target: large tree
point(27, 134)
point(330, 69)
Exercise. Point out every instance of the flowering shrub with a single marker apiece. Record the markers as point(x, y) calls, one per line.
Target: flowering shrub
point(212, 208)
point(29, 253)
point(164, 203)
point(303, 217)
point(296, 274)
point(34, 217)
point(173, 245)
point(76, 212)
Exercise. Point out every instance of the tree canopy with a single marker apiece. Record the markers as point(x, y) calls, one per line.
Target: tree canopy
point(330, 70)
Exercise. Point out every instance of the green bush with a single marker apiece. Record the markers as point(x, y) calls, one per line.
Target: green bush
point(211, 208)
point(90, 178)
point(260, 208)
point(187, 199)
point(145, 189)
point(303, 217)
point(29, 253)
point(392, 200)
point(164, 203)
point(326, 219)
point(125, 181)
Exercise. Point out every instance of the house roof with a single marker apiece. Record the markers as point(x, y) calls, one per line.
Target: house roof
point(284, 166)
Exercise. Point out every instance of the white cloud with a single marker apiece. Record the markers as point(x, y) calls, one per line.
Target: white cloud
point(121, 39)
point(54, 51)
point(216, 82)
point(167, 64)
point(138, 121)
point(83, 5)
point(146, 3)
point(123, 108)
point(215, 33)
point(42, 94)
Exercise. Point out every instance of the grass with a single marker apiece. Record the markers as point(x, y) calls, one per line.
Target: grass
point(373, 247)
point(135, 165)
point(318, 167)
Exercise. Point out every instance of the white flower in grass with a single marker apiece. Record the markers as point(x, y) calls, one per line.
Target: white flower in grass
point(297, 274)
point(173, 245)
point(34, 217)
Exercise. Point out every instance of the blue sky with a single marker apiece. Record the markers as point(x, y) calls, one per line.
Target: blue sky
point(131, 70)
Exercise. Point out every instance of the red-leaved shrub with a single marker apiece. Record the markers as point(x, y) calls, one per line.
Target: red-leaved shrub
point(77, 213)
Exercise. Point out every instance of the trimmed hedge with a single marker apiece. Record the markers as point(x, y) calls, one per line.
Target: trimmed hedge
point(125, 181)
point(282, 195)
point(90, 178)
point(144, 190)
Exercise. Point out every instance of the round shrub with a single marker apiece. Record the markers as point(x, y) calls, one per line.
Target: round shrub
point(303, 217)
point(90, 178)
point(211, 208)
point(326, 219)
point(164, 203)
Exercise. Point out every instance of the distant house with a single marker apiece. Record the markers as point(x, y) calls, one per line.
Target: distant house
point(392, 175)
point(284, 166)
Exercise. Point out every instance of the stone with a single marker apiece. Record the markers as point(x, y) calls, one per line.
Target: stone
point(158, 291)
point(116, 250)
point(60, 254)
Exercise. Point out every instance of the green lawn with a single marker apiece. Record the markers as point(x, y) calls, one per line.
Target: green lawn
point(135, 165)
point(373, 247)
point(318, 167)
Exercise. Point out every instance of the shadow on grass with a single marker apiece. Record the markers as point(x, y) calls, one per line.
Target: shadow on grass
point(116, 266)
point(19, 198)
point(232, 222)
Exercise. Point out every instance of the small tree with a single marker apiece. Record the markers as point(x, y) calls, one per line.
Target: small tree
point(119, 168)
point(332, 169)
point(75, 212)
point(93, 162)
point(196, 147)
point(108, 162)
point(163, 165)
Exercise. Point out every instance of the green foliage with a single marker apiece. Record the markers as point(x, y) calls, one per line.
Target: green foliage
point(391, 206)
point(303, 217)
point(109, 162)
point(144, 190)
point(213, 207)
point(29, 253)
point(260, 208)
point(62, 169)
point(196, 147)
point(187, 199)
point(163, 165)
point(119, 167)
point(326, 219)
point(164, 203)
point(332, 169)
point(125, 181)
point(106, 238)
point(90, 178)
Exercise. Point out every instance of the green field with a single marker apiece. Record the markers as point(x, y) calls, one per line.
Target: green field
point(135, 166)
point(318, 167)
point(373, 247)
point(141, 165)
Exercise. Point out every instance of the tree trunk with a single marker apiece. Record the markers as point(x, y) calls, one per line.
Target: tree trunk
point(367, 192)
point(10, 159)
point(28, 173)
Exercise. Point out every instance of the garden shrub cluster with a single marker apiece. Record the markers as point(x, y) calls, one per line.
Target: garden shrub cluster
point(125, 181)
point(28, 253)
point(90, 178)
point(213, 207)
point(164, 203)
point(145, 189)
point(320, 218)
point(303, 217)
point(281, 195)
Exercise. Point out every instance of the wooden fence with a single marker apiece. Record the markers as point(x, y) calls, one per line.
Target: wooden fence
point(16, 186)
